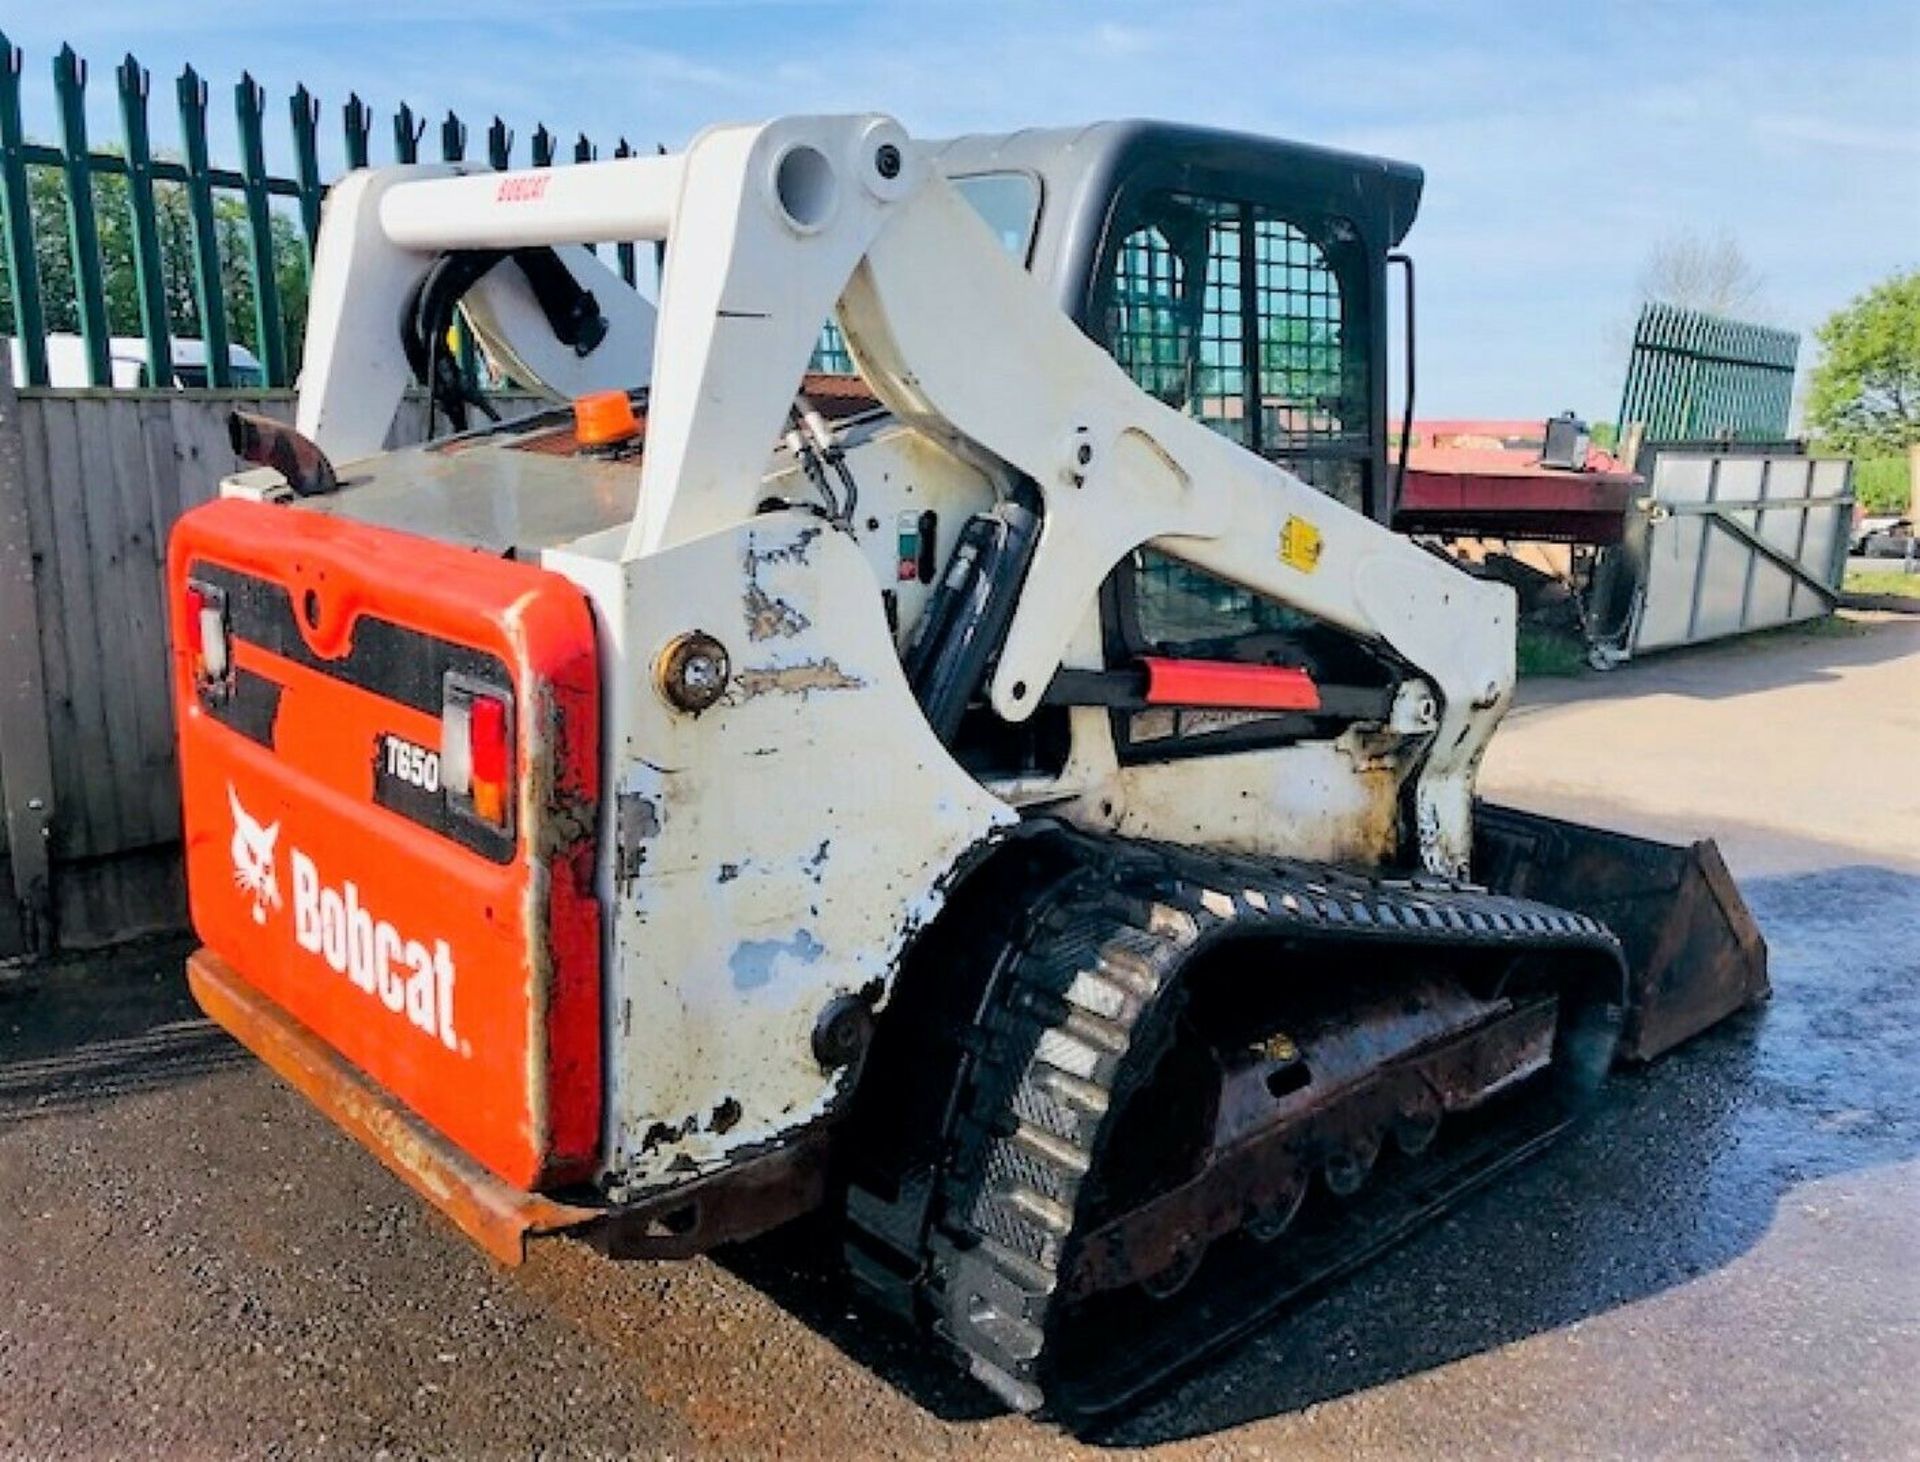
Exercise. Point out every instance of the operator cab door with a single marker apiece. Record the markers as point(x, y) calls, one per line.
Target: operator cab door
point(1253, 318)
point(1257, 316)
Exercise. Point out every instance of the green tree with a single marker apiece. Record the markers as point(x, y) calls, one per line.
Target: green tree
point(1864, 398)
point(113, 212)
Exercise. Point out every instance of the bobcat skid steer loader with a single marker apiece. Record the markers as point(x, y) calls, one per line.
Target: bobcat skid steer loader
point(1008, 791)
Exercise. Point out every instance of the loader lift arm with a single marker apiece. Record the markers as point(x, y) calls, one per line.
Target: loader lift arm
point(769, 231)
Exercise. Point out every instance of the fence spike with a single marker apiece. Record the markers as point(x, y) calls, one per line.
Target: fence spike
point(357, 119)
point(250, 103)
point(406, 135)
point(453, 139)
point(585, 151)
point(149, 268)
point(192, 92)
point(303, 108)
point(500, 144)
point(83, 230)
point(23, 264)
point(659, 245)
point(623, 250)
point(542, 146)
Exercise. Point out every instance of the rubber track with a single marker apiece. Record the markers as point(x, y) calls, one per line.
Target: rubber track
point(1083, 1009)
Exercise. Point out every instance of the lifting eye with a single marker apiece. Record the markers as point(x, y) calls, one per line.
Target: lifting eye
point(805, 187)
point(692, 672)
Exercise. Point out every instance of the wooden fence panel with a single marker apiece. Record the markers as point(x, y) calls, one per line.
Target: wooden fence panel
point(105, 476)
point(26, 754)
point(86, 819)
point(150, 761)
point(107, 473)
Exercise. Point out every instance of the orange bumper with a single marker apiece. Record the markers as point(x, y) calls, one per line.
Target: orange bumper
point(495, 1215)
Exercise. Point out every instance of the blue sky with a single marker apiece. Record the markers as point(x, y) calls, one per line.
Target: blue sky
point(1560, 141)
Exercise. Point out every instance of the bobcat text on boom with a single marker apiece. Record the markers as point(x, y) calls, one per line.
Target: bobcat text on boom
point(335, 925)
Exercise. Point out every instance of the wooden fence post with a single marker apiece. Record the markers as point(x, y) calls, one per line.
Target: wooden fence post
point(26, 754)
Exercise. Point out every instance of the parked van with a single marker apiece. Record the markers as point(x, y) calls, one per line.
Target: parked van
point(127, 363)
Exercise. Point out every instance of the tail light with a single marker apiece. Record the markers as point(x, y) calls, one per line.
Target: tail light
point(476, 751)
point(205, 622)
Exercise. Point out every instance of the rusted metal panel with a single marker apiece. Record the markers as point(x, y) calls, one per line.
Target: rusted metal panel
point(1694, 953)
point(751, 1198)
point(496, 1216)
point(1496, 494)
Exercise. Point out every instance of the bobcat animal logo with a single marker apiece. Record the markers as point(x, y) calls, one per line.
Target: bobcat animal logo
point(253, 858)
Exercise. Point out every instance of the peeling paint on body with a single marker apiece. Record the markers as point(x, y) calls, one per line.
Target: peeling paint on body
point(813, 744)
point(801, 680)
point(639, 822)
point(756, 961)
point(795, 551)
point(770, 618)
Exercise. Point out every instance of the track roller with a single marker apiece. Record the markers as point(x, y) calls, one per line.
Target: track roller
point(1346, 1168)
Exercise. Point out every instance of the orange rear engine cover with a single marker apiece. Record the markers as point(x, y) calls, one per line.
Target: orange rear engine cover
point(454, 959)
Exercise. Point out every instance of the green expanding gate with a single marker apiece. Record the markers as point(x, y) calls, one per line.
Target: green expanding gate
point(1696, 377)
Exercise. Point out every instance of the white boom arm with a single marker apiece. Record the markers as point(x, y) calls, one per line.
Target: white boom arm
point(768, 228)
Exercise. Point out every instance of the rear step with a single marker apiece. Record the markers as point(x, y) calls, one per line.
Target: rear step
point(497, 1216)
point(738, 1203)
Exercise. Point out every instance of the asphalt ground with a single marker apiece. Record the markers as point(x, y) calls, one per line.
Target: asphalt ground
point(1723, 1261)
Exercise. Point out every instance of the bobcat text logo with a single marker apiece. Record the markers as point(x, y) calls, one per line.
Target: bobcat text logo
point(252, 850)
point(403, 973)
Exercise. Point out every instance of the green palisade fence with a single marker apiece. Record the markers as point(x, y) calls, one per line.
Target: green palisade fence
point(216, 244)
point(1698, 377)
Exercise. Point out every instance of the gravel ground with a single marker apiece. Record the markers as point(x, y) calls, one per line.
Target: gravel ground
point(1720, 1263)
